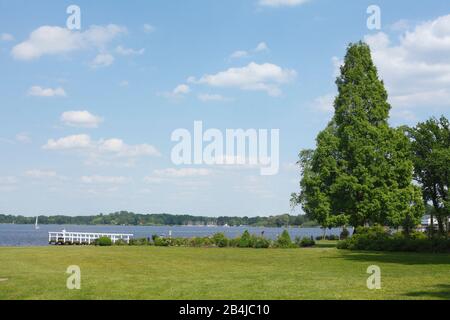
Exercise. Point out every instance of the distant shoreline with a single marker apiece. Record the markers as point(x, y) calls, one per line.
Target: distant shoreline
point(125, 218)
point(162, 225)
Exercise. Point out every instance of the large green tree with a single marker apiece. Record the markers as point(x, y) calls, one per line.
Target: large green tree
point(360, 172)
point(431, 156)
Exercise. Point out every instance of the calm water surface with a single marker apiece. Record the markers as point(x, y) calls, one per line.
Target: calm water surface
point(26, 235)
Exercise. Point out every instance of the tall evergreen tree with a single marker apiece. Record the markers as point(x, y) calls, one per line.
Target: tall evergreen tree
point(360, 172)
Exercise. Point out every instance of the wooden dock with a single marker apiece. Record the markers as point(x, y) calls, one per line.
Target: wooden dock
point(86, 238)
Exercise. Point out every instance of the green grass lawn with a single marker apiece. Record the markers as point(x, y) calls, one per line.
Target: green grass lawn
point(202, 273)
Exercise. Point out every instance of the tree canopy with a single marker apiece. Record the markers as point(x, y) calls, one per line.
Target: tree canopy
point(430, 142)
point(360, 172)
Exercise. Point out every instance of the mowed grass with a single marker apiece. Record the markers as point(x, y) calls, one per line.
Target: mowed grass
point(209, 273)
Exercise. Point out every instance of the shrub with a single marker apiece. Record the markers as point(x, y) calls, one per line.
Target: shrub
point(207, 242)
point(162, 242)
point(103, 242)
point(330, 237)
point(284, 240)
point(179, 242)
point(121, 242)
point(234, 242)
point(220, 240)
point(245, 241)
point(199, 242)
point(261, 243)
point(344, 234)
point(378, 239)
point(139, 242)
point(418, 235)
point(305, 242)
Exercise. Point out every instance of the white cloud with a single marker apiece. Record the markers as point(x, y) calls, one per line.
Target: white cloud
point(129, 52)
point(120, 148)
point(416, 71)
point(255, 77)
point(337, 63)
point(54, 40)
point(404, 116)
point(239, 54)
point(281, 3)
point(400, 25)
point(151, 179)
point(41, 174)
point(23, 137)
point(38, 91)
point(254, 185)
point(181, 89)
point(148, 28)
point(261, 47)
point(207, 97)
point(96, 179)
point(8, 180)
point(102, 60)
point(182, 173)
point(80, 141)
point(106, 147)
point(184, 177)
point(324, 103)
point(6, 37)
point(8, 183)
point(80, 119)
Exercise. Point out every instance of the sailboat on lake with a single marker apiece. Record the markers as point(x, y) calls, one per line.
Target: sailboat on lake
point(36, 225)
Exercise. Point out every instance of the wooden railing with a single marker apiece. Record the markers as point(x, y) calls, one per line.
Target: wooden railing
point(65, 237)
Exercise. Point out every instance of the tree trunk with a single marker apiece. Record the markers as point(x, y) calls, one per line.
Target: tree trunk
point(431, 226)
point(440, 225)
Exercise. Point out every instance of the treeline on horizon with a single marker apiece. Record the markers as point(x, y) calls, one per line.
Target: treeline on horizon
point(135, 219)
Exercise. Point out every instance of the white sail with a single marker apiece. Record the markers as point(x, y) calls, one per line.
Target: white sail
point(36, 226)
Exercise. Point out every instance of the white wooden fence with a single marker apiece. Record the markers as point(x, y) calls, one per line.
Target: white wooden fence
point(65, 237)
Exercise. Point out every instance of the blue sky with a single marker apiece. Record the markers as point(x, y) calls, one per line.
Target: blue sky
point(87, 116)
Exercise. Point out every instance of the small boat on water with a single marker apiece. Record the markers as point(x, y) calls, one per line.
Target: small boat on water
point(36, 224)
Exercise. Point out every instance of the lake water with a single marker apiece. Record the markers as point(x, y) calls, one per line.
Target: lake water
point(26, 235)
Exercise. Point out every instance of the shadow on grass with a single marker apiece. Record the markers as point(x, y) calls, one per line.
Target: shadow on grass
point(406, 258)
point(443, 292)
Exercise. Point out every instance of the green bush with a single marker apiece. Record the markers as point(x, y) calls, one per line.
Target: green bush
point(234, 242)
point(103, 242)
point(121, 242)
point(200, 242)
point(331, 237)
point(162, 242)
point(220, 240)
point(245, 241)
point(344, 234)
point(378, 239)
point(180, 242)
point(139, 242)
point(284, 240)
point(261, 243)
point(305, 242)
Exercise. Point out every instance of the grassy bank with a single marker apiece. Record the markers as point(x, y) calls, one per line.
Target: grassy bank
point(200, 273)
